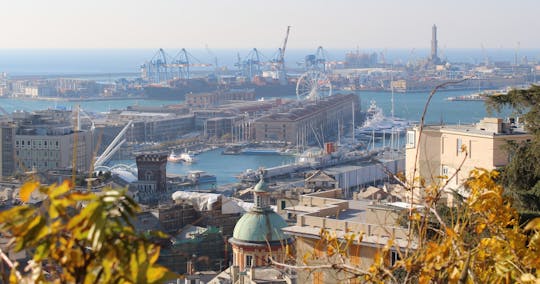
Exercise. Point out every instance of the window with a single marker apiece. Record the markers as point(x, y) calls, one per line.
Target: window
point(458, 145)
point(249, 260)
point(411, 137)
point(394, 257)
point(283, 204)
point(444, 171)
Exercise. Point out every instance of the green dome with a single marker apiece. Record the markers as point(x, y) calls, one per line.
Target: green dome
point(260, 227)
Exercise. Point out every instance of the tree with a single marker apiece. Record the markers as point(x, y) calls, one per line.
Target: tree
point(79, 237)
point(521, 176)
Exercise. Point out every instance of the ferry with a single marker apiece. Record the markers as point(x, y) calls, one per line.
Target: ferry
point(184, 157)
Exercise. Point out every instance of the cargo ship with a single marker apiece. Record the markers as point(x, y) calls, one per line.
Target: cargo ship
point(177, 90)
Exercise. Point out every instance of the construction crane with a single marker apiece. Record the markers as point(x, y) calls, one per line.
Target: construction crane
point(278, 63)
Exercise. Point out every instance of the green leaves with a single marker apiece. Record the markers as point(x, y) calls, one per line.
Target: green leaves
point(81, 238)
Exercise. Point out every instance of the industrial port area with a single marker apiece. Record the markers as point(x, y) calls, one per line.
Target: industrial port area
point(292, 142)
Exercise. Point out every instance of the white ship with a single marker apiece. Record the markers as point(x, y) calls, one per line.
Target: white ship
point(377, 123)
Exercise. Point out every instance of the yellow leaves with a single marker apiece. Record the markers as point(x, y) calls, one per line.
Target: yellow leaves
point(415, 216)
point(454, 274)
point(528, 278)
point(61, 189)
point(533, 225)
point(27, 189)
point(330, 251)
point(307, 257)
point(480, 228)
point(58, 231)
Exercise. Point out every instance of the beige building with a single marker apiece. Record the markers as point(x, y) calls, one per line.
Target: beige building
point(327, 210)
point(45, 140)
point(54, 151)
point(443, 149)
point(309, 123)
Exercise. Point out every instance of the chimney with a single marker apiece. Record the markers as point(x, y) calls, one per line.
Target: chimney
point(252, 273)
point(490, 124)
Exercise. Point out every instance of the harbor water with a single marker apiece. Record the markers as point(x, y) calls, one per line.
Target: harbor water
point(408, 106)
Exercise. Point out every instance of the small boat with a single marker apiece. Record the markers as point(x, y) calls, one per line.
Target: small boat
point(173, 158)
point(201, 178)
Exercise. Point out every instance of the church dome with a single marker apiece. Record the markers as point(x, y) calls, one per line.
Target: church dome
point(261, 223)
point(261, 227)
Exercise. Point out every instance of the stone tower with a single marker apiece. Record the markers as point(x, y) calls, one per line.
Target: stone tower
point(152, 172)
point(434, 58)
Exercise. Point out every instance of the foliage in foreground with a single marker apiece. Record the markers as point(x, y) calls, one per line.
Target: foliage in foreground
point(76, 237)
point(482, 243)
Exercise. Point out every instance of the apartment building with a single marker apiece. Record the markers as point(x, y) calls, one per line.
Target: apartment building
point(447, 153)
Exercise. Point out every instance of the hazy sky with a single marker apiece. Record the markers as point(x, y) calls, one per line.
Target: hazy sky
point(253, 23)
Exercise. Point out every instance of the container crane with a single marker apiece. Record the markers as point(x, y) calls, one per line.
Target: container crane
point(250, 67)
point(155, 70)
point(162, 67)
point(182, 63)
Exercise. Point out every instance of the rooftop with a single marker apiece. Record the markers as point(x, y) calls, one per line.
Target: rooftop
point(325, 210)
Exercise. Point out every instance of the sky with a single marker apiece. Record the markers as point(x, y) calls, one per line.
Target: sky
point(254, 23)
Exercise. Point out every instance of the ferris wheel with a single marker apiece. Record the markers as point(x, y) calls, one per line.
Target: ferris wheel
point(313, 85)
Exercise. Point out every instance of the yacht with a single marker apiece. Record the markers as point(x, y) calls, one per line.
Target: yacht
point(377, 123)
point(187, 158)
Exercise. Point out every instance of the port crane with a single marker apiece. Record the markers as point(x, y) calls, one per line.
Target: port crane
point(319, 61)
point(250, 67)
point(155, 70)
point(181, 64)
point(163, 67)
